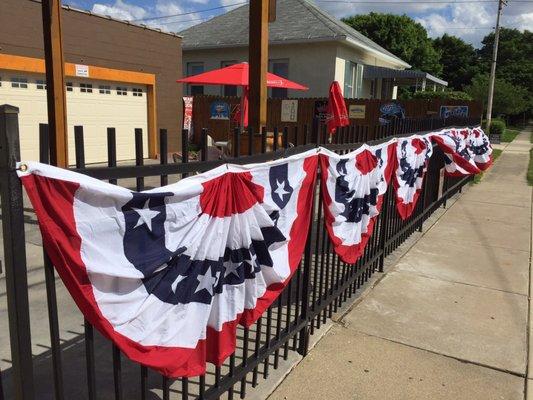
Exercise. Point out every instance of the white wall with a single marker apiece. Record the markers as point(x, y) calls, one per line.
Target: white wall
point(348, 53)
point(94, 111)
point(312, 65)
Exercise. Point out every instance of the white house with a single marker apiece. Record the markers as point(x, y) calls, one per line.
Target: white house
point(307, 45)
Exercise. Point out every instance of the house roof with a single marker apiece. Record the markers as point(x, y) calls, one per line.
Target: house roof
point(371, 72)
point(297, 21)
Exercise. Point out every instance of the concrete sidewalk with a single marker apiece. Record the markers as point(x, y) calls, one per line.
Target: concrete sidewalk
point(451, 319)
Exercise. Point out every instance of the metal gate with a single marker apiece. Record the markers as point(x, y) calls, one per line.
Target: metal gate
point(88, 366)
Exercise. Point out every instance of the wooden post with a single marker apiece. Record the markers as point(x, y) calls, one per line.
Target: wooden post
point(258, 59)
point(55, 82)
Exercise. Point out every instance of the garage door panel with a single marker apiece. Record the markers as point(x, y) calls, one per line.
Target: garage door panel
point(94, 111)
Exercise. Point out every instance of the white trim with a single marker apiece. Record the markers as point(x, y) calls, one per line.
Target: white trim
point(391, 59)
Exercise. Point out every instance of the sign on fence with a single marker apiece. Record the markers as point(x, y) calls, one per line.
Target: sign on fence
point(321, 110)
point(390, 111)
point(187, 114)
point(453, 111)
point(289, 110)
point(219, 110)
point(356, 111)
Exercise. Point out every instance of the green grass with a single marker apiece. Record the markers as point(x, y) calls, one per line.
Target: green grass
point(495, 154)
point(509, 135)
point(530, 166)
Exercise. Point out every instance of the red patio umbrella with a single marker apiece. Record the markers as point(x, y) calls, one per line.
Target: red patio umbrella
point(337, 115)
point(237, 75)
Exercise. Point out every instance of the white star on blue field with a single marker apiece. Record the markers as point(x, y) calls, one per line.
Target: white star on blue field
point(470, 20)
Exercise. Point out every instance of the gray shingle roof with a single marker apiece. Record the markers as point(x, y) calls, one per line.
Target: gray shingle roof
point(297, 21)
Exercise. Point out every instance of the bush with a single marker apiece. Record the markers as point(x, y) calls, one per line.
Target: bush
point(430, 95)
point(497, 127)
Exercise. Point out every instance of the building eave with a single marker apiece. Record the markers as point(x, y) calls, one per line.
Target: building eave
point(391, 59)
point(336, 39)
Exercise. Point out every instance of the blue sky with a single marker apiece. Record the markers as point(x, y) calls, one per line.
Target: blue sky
point(470, 20)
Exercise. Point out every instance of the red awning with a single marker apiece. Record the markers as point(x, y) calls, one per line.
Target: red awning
point(237, 74)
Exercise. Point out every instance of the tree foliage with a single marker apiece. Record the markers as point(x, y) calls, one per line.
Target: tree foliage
point(402, 36)
point(509, 99)
point(459, 61)
point(450, 58)
point(515, 56)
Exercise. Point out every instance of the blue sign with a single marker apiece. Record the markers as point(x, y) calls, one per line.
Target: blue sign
point(219, 110)
point(453, 111)
point(390, 111)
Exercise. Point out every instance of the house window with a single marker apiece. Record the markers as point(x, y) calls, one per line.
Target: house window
point(86, 87)
point(373, 88)
point(104, 89)
point(195, 68)
point(122, 91)
point(137, 92)
point(41, 84)
point(229, 90)
point(70, 86)
point(21, 83)
point(353, 80)
point(279, 68)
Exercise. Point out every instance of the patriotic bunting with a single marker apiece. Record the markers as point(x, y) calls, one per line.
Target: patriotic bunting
point(458, 154)
point(353, 186)
point(413, 155)
point(479, 143)
point(168, 273)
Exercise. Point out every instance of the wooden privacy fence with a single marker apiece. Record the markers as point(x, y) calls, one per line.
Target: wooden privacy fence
point(221, 129)
point(77, 362)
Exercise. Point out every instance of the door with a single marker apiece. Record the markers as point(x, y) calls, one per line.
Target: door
point(96, 105)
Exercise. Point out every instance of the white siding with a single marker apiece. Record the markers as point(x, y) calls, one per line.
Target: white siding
point(312, 65)
point(94, 111)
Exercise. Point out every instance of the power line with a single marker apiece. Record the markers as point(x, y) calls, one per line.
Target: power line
point(419, 2)
point(189, 13)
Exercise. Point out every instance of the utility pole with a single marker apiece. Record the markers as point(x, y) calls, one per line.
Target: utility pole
point(501, 3)
point(55, 82)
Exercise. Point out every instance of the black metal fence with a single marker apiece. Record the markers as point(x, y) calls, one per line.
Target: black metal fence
point(88, 366)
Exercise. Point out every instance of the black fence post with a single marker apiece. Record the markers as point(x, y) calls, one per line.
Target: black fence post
point(236, 142)
point(303, 341)
point(163, 153)
point(203, 155)
point(112, 150)
point(384, 228)
point(49, 276)
point(250, 141)
point(184, 149)
point(79, 146)
point(15, 255)
point(263, 139)
point(139, 156)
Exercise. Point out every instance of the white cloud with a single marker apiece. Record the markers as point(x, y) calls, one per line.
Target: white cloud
point(469, 21)
point(120, 10)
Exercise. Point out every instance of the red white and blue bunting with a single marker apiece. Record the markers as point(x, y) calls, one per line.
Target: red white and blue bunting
point(167, 274)
point(413, 155)
point(353, 186)
point(479, 143)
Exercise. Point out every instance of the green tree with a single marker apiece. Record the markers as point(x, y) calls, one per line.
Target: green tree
point(515, 57)
point(459, 61)
point(509, 99)
point(402, 36)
